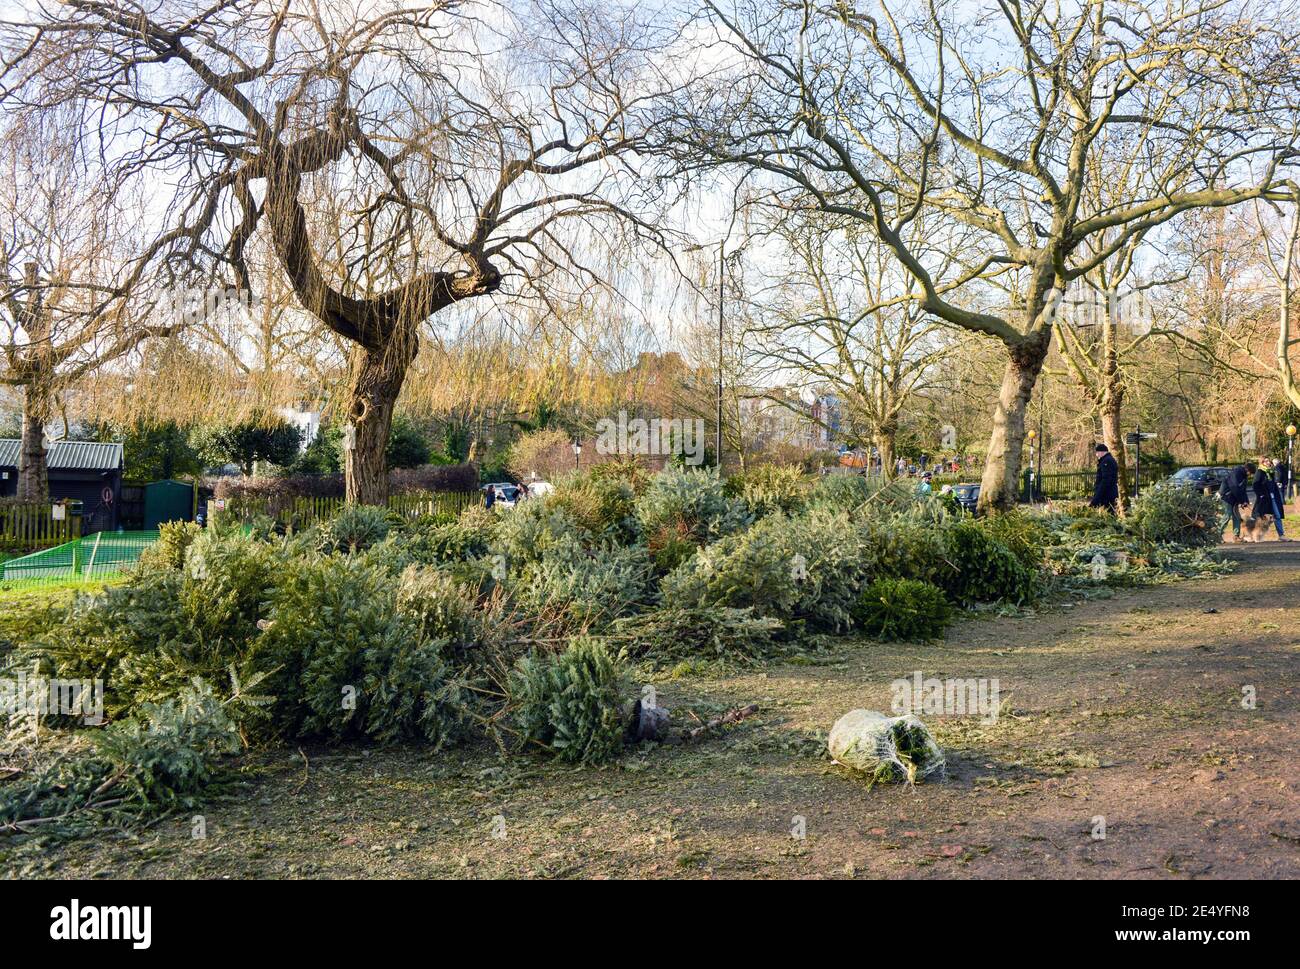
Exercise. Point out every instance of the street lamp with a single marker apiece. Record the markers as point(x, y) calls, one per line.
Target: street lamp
point(1032, 435)
point(577, 453)
point(1290, 459)
point(722, 290)
point(1042, 440)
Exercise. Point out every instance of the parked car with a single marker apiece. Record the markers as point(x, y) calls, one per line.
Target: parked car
point(1208, 479)
point(967, 495)
point(505, 494)
point(1200, 477)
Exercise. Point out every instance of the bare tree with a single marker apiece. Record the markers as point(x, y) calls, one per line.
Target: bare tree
point(66, 309)
point(1100, 333)
point(1107, 319)
point(993, 116)
point(1199, 318)
point(846, 316)
point(398, 158)
point(1280, 241)
point(1231, 325)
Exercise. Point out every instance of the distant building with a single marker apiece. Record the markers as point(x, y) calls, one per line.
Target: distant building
point(781, 417)
point(307, 421)
point(825, 418)
point(85, 471)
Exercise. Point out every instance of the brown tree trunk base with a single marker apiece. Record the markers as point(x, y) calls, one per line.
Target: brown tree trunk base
point(33, 469)
point(377, 377)
point(885, 443)
point(1000, 485)
point(1113, 437)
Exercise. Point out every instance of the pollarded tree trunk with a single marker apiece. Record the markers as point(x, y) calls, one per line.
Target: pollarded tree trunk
point(33, 470)
point(377, 377)
point(1001, 482)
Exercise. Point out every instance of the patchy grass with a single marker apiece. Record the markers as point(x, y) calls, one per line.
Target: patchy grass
point(21, 589)
point(25, 613)
point(37, 589)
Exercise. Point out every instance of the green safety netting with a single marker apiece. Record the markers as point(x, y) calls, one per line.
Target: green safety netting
point(90, 556)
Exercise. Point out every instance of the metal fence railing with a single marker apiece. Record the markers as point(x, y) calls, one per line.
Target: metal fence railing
point(1065, 485)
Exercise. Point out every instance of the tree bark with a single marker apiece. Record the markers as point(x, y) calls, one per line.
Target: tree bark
point(1284, 338)
point(1001, 482)
point(885, 443)
point(1112, 403)
point(377, 378)
point(1113, 437)
point(33, 470)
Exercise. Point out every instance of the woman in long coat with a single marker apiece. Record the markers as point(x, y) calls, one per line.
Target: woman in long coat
point(1268, 499)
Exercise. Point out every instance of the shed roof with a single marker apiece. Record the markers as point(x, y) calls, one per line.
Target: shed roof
point(69, 455)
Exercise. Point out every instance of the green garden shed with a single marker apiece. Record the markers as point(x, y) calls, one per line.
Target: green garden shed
point(167, 501)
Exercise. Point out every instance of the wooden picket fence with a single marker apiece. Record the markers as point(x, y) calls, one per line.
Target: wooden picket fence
point(304, 511)
point(412, 504)
point(30, 526)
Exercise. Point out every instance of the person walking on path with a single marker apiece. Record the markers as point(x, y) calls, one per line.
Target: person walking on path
point(1268, 499)
point(1279, 504)
point(1105, 494)
point(1282, 477)
point(1233, 494)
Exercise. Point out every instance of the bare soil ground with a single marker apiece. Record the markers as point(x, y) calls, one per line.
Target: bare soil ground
point(1128, 709)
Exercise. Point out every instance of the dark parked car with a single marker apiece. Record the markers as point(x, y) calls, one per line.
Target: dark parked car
point(1206, 478)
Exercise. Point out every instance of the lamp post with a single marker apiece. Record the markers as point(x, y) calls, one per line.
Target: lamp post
point(722, 292)
point(1290, 460)
point(1032, 435)
point(1042, 441)
point(577, 453)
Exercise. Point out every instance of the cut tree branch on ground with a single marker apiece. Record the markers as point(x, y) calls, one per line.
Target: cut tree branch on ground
point(731, 716)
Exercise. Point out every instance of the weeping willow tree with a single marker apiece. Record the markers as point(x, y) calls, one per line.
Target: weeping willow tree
point(398, 159)
point(227, 362)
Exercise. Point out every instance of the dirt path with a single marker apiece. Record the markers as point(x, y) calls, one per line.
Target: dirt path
point(1128, 709)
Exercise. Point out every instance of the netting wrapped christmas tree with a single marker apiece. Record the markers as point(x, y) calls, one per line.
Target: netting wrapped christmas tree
point(885, 748)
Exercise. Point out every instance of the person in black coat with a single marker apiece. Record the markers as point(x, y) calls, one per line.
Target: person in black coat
point(1233, 494)
point(1282, 476)
point(1262, 485)
point(1106, 492)
point(1268, 499)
